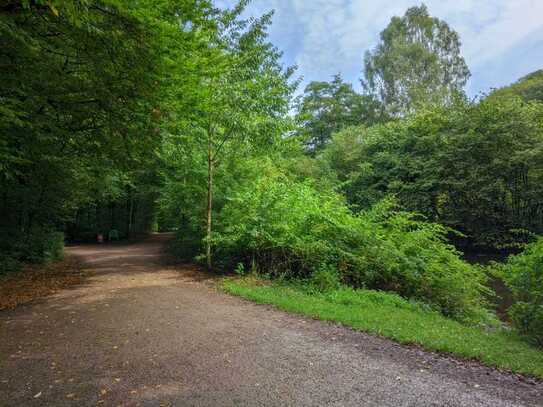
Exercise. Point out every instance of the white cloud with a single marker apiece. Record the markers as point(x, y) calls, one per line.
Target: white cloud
point(328, 36)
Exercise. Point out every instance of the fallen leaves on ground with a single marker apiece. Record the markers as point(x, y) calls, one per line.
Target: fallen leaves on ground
point(37, 281)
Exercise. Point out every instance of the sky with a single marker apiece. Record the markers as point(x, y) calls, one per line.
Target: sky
point(502, 40)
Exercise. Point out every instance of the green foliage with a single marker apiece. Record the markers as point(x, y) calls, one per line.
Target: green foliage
point(121, 200)
point(39, 245)
point(416, 62)
point(523, 274)
point(327, 107)
point(395, 158)
point(78, 86)
point(325, 278)
point(241, 105)
point(528, 88)
point(476, 168)
point(88, 89)
point(391, 316)
point(188, 242)
point(289, 228)
point(112, 111)
point(492, 172)
point(8, 265)
point(240, 269)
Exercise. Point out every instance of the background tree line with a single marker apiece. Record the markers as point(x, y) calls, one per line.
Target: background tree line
point(474, 166)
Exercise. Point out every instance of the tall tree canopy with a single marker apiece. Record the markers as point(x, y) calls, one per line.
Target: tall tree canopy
point(243, 104)
point(82, 91)
point(474, 167)
point(528, 88)
point(327, 107)
point(417, 61)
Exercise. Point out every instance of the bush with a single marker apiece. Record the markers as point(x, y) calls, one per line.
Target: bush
point(325, 278)
point(43, 246)
point(187, 244)
point(54, 246)
point(523, 274)
point(8, 264)
point(469, 166)
point(40, 245)
point(291, 229)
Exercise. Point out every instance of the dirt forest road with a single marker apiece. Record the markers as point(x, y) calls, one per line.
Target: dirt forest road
point(141, 333)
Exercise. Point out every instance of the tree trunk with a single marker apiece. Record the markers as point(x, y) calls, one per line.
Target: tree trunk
point(209, 199)
point(130, 212)
point(112, 213)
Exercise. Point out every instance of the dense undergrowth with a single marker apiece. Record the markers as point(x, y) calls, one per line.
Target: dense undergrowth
point(38, 246)
point(523, 274)
point(288, 229)
point(283, 227)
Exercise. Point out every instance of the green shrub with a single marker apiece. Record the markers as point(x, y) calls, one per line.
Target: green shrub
point(240, 269)
point(523, 274)
point(8, 264)
point(470, 166)
point(291, 229)
point(187, 244)
point(42, 246)
point(39, 245)
point(325, 278)
point(54, 246)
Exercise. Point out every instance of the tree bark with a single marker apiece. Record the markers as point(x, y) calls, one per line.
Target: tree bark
point(209, 198)
point(130, 212)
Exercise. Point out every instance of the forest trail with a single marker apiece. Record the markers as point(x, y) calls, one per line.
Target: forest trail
point(138, 332)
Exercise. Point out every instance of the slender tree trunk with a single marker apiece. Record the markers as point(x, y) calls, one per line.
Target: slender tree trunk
point(130, 212)
point(209, 198)
point(112, 220)
point(136, 226)
point(131, 218)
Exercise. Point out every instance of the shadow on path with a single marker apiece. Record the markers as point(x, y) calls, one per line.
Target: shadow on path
point(141, 332)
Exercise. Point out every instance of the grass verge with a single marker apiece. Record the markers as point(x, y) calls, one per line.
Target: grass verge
point(393, 317)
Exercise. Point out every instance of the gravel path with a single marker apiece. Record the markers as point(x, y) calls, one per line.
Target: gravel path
point(141, 333)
